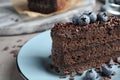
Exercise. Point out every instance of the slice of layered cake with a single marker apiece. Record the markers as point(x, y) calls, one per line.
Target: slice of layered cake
point(87, 42)
point(46, 6)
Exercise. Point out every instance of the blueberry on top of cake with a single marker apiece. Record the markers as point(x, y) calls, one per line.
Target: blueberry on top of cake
point(89, 41)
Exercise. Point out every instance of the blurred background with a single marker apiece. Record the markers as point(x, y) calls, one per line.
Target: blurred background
point(16, 28)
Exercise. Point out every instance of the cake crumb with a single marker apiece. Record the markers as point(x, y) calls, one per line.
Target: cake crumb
point(56, 69)
point(5, 48)
point(19, 46)
point(114, 73)
point(50, 66)
point(14, 46)
point(71, 78)
point(14, 52)
point(111, 62)
point(80, 72)
point(19, 40)
point(63, 76)
point(77, 30)
point(98, 70)
point(118, 60)
point(72, 75)
point(109, 77)
point(105, 78)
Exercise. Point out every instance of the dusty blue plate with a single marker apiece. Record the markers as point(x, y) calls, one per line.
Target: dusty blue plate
point(33, 57)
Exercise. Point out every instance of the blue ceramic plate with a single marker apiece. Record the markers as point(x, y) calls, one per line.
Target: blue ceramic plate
point(33, 57)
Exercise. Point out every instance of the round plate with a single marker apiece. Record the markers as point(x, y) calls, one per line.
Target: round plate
point(33, 57)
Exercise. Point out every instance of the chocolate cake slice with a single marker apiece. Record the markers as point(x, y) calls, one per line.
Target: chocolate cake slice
point(76, 48)
point(46, 6)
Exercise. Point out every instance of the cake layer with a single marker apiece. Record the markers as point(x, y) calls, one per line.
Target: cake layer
point(73, 45)
point(71, 31)
point(90, 49)
point(68, 35)
point(89, 52)
point(77, 58)
point(93, 63)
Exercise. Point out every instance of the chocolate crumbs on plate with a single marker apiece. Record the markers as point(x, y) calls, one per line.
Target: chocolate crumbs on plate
point(19, 46)
point(19, 40)
point(14, 46)
point(5, 48)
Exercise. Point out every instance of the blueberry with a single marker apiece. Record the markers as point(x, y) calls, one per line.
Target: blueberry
point(90, 75)
point(75, 19)
point(86, 12)
point(106, 70)
point(83, 20)
point(93, 16)
point(102, 16)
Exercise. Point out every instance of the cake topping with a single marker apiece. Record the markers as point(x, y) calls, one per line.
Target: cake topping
point(75, 19)
point(83, 20)
point(92, 16)
point(89, 17)
point(102, 16)
point(87, 12)
point(90, 75)
point(106, 70)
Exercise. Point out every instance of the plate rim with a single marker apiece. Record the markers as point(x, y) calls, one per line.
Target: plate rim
point(18, 67)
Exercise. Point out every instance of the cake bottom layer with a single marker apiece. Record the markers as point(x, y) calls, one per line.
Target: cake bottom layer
point(80, 67)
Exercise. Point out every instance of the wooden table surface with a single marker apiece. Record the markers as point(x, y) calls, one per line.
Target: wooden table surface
point(9, 47)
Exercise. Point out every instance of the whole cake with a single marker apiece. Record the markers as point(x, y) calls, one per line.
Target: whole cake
point(87, 42)
point(46, 6)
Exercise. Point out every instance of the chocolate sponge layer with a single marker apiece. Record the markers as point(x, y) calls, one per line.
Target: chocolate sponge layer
point(86, 53)
point(77, 48)
point(86, 64)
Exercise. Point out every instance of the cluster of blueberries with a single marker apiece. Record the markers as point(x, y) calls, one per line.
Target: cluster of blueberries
point(88, 17)
point(92, 75)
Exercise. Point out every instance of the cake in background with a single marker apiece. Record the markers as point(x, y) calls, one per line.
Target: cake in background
point(46, 6)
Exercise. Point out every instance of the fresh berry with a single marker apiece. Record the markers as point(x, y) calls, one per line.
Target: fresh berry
point(86, 12)
point(93, 16)
point(83, 20)
point(90, 75)
point(102, 16)
point(75, 19)
point(106, 70)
